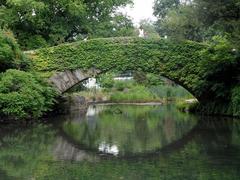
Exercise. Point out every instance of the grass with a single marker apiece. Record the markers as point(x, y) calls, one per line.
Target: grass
point(131, 92)
point(138, 94)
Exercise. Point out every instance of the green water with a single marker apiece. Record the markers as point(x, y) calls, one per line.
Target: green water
point(123, 142)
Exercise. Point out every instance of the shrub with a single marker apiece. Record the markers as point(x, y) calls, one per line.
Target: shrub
point(10, 54)
point(23, 95)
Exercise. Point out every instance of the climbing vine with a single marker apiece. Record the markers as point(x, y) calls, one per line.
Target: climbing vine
point(206, 70)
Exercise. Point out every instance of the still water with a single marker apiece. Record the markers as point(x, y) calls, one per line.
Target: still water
point(123, 142)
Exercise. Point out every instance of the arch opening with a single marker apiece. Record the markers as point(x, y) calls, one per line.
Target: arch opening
point(154, 88)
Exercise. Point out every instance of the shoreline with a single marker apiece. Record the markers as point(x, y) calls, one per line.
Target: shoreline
point(128, 103)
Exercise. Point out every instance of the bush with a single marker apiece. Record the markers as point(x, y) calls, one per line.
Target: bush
point(24, 96)
point(10, 54)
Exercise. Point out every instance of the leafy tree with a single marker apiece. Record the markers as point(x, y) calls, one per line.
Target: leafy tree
point(220, 17)
point(181, 23)
point(117, 26)
point(10, 54)
point(161, 7)
point(38, 23)
point(199, 20)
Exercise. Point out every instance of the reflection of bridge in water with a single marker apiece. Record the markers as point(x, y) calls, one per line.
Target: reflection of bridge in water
point(65, 150)
point(208, 132)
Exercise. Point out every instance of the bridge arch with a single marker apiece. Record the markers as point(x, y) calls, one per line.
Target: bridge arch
point(64, 81)
point(190, 64)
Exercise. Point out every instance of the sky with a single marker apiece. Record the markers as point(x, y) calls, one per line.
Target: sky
point(142, 9)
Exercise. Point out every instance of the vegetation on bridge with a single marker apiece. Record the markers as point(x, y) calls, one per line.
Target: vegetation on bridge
point(176, 60)
point(208, 71)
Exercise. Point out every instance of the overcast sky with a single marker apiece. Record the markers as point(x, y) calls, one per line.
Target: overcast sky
point(142, 9)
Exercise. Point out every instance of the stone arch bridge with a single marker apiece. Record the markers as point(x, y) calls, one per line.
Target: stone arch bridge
point(195, 66)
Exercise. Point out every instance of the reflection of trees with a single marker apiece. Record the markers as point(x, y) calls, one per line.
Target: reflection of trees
point(169, 128)
point(211, 150)
point(236, 133)
point(23, 153)
point(141, 132)
point(215, 136)
point(135, 130)
point(83, 133)
point(198, 155)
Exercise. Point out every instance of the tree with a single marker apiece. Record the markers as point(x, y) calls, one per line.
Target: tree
point(116, 26)
point(199, 20)
point(161, 7)
point(40, 23)
point(219, 17)
point(181, 23)
point(10, 54)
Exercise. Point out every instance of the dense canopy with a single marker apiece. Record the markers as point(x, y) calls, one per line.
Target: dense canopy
point(40, 23)
point(198, 20)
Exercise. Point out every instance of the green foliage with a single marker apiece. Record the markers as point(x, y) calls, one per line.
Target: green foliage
point(147, 79)
point(41, 23)
point(181, 24)
point(34, 152)
point(121, 85)
point(207, 71)
point(176, 60)
point(10, 54)
point(198, 19)
point(136, 94)
point(223, 67)
point(26, 150)
point(106, 80)
point(186, 107)
point(153, 80)
point(161, 7)
point(140, 77)
point(135, 129)
point(34, 42)
point(24, 95)
point(117, 26)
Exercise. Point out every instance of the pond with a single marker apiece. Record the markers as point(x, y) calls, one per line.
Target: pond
point(123, 142)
